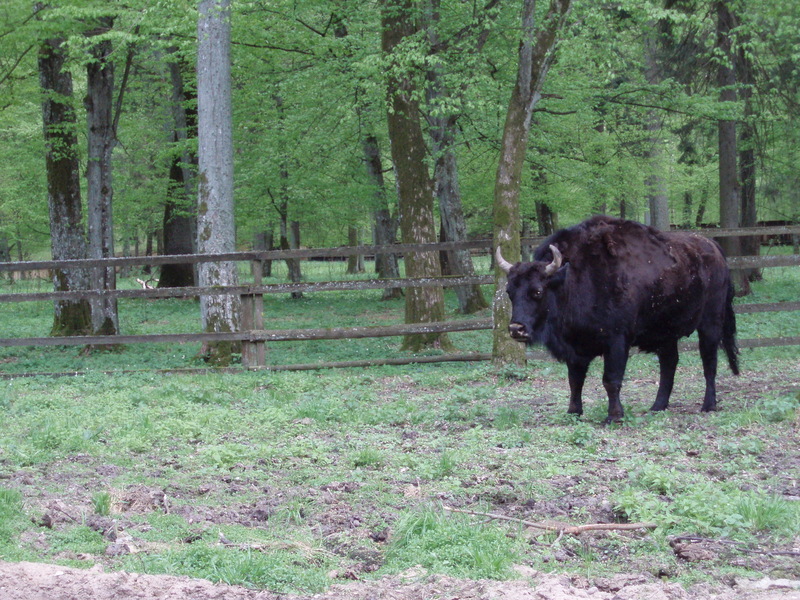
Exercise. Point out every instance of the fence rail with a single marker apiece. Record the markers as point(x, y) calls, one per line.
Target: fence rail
point(253, 336)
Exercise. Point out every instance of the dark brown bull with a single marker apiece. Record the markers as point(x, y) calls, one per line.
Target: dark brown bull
point(606, 285)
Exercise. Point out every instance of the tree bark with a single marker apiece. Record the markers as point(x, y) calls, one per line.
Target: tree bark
point(99, 190)
point(751, 245)
point(386, 264)
point(414, 185)
point(536, 54)
point(180, 217)
point(264, 240)
point(179, 230)
point(67, 235)
point(454, 226)
point(355, 262)
point(445, 174)
point(729, 185)
point(657, 198)
point(216, 232)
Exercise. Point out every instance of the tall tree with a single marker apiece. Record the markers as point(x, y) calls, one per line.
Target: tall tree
point(67, 235)
point(442, 128)
point(386, 263)
point(289, 231)
point(101, 137)
point(751, 245)
point(536, 55)
point(655, 181)
point(180, 223)
point(414, 185)
point(215, 230)
point(729, 184)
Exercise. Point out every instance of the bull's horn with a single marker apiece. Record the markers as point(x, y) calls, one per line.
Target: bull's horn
point(502, 262)
point(557, 258)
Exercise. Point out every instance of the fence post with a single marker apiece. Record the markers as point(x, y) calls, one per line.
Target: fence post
point(253, 354)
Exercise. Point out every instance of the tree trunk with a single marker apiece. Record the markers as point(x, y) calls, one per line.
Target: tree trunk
point(414, 186)
point(526, 251)
point(446, 186)
point(264, 240)
point(729, 186)
point(657, 198)
point(179, 231)
point(100, 140)
point(386, 264)
point(216, 232)
point(355, 262)
point(289, 241)
point(750, 245)
point(294, 243)
point(454, 226)
point(536, 54)
point(546, 219)
point(67, 236)
point(180, 218)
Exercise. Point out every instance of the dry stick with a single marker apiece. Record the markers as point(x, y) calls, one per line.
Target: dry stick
point(561, 528)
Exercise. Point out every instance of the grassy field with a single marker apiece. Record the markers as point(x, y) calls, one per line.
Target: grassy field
point(293, 481)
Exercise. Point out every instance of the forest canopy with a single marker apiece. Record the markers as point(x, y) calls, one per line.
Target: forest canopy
point(633, 94)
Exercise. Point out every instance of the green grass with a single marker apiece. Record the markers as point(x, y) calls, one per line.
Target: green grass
point(292, 481)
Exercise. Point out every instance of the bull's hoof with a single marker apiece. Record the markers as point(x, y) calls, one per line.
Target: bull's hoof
point(709, 408)
point(658, 407)
point(612, 419)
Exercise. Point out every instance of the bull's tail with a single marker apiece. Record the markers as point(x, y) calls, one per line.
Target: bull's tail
point(729, 333)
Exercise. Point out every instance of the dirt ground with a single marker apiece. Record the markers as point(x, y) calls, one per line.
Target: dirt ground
point(35, 581)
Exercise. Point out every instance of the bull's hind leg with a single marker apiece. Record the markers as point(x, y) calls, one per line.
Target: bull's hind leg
point(615, 359)
point(708, 352)
point(668, 362)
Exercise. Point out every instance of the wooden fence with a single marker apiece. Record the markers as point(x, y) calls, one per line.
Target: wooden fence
point(253, 335)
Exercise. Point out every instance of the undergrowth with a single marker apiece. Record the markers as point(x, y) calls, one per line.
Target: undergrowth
point(291, 481)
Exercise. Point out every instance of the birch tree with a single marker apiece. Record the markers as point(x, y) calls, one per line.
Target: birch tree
point(215, 227)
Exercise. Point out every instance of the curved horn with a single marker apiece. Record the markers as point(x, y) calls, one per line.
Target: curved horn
point(502, 262)
point(557, 258)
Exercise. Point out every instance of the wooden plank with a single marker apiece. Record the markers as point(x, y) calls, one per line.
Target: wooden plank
point(408, 360)
point(752, 343)
point(763, 262)
point(343, 251)
point(738, 262)
point(275, 288)
point(332, 333)
point(766, 307)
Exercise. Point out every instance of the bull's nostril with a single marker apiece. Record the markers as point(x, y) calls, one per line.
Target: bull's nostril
point(516, 329)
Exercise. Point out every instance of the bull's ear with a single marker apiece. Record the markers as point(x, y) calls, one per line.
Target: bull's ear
point(557, 279)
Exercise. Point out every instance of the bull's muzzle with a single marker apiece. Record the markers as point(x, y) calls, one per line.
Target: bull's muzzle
point(517, 331)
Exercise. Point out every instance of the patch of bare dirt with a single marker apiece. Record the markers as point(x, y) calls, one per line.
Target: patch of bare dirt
point(37, 581)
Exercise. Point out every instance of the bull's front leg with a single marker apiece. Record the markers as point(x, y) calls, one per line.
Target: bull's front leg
point(615, 360)
point(668, 362)
point(577, 375)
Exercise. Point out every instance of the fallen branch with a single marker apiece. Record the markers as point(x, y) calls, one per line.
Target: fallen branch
point(562, 528)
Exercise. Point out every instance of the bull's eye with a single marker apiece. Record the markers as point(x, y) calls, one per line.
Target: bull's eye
point(535, 293)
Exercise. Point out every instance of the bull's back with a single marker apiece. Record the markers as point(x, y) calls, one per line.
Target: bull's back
point(689, 292)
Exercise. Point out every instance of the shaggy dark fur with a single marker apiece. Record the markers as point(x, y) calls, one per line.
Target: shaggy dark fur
point(624, 284)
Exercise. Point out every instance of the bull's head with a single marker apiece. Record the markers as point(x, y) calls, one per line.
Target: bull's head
point(526, 287)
